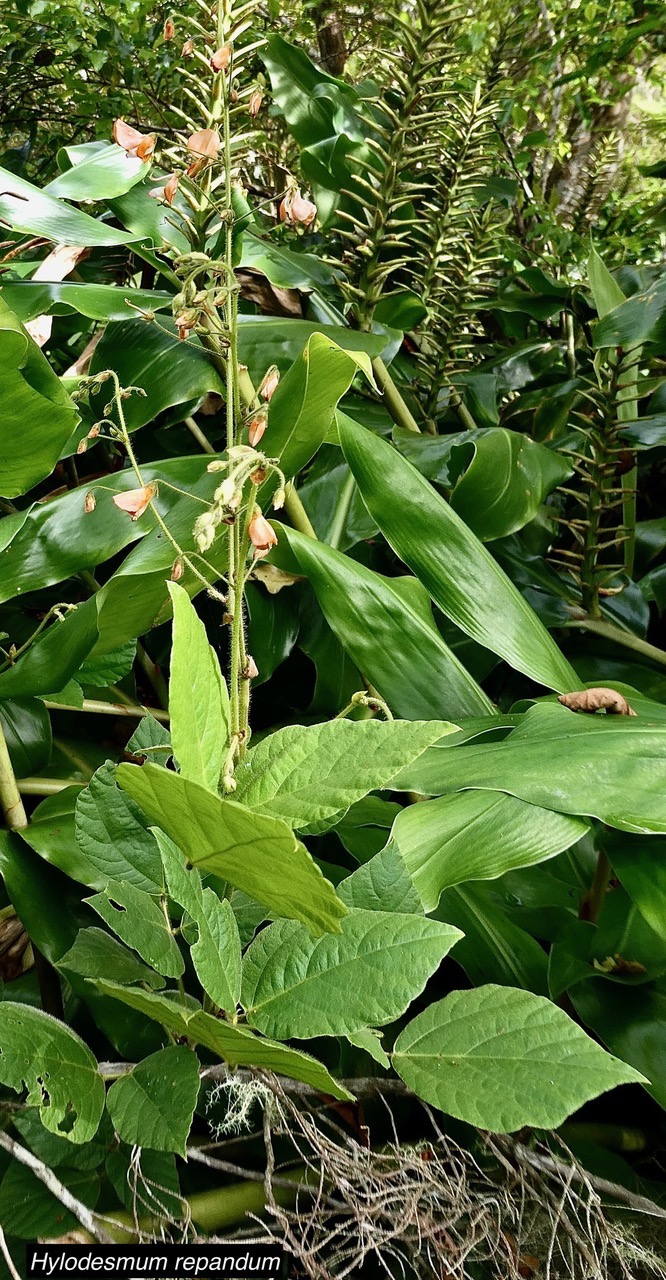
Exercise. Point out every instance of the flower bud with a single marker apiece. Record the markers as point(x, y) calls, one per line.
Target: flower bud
point(94, 431)
point(278, 498)
point(90, 502)
point(187, 49)
point(221, 58)
point(257, 428)
point(177, 569)
point(256, 99)
point(169, 29)
point(82, 446)
point(270, 382)
point(217, 465)
point(251, 669)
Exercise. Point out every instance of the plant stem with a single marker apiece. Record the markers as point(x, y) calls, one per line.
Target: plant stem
point(201, 439)
point(296, 511)
point(399, 411)
point(96, 707)
point(598, 889)
point(10, 799)
point(45, 786)
point(153, 675)
point(342, 510)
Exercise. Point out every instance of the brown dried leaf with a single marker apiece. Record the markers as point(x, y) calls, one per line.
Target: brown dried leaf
point(275, 579)
point(597, 700)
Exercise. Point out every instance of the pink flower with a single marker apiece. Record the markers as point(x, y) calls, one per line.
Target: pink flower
point(262, 536)
point(168, 191)
point(257, 427)
point(135, 501)
point(295, 209)
point(169, 29)
point(270, 382)
point(187, 49)
point(133, 142)
point(221, 58)
point(205, 145)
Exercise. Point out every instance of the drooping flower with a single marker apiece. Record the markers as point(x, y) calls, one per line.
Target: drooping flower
point(167, 193)
point(269, 383)
point(133, 142)
point(262, 536)
point(257, 428)
point(136, 501)
point(187, 49)
point(221, 58)
point(256, 99)
point(295, 210)
point(205, 146)
point(169, 29)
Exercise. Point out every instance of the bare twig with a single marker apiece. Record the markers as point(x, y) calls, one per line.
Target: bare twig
point(81, 1212)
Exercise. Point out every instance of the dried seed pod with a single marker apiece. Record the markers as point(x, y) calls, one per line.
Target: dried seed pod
point(600, 699)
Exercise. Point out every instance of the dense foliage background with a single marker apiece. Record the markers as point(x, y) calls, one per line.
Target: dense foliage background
point(332, 675)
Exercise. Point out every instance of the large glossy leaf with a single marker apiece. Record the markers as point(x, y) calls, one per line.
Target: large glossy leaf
point(236, 1045)
point(640, 865)
point(302, 408)
point(458, 572)
point(198, 698)
point(366, 976)
point(306, 95)
point(477, 835)
point(104, 302)
point(38, 416)
point(305, 774)
point(96, 171)
point(501, 1059)
point(386, 626)
point(153, 1105)
point(27, 209)
point(506, 482)
point(494, 948)
point(27, 729)
point(382, 884)
point(632, 1022)
point(143, 355)
point(258, 854)
point(285, 267)
point(642, 318)
point(55, 1066)
point(608, 767)
point(96, 953)
point(265, 340)
point(56, 539)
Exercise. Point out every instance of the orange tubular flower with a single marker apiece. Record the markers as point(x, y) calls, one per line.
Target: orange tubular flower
point(262, 536)
point(133, 142)
point(295, 210)
point(135, 501)
point(167, 193)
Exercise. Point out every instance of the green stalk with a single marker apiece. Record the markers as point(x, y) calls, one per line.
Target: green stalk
point(610, 631)
point(10, 799)
point(399, 411)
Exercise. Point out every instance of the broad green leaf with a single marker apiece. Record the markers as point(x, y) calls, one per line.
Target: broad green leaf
point(96, 954)
point(389, 633)
point(113, 836)
point(267, 340)
point(632, 1022)
point(26, 208)
point(143, 355)
point(153, 1105)
point(477, 835)
point(306, 95)
point(141, 924)
point(29, 1211)
point(255, 853)
point(37, 414)
point(27, 730)
point(57, 539)
point(236, 1045)
point(99, 171)
point(640, 318)
point(105, 302)
point(608, 767)
point(494, 948)
point(305, 774)
point(57, 1069)
point(382, 884)
point(640, 865)
point(366, 1038)
point(502, 1059)
point(284, 267)
point(216, 954)
point(508, 478)
point(302, 408)
point(458, 572)
point(198, 698)
point(159, 1173)
point(152, 739)
point(605, 290)
point(366, 976)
